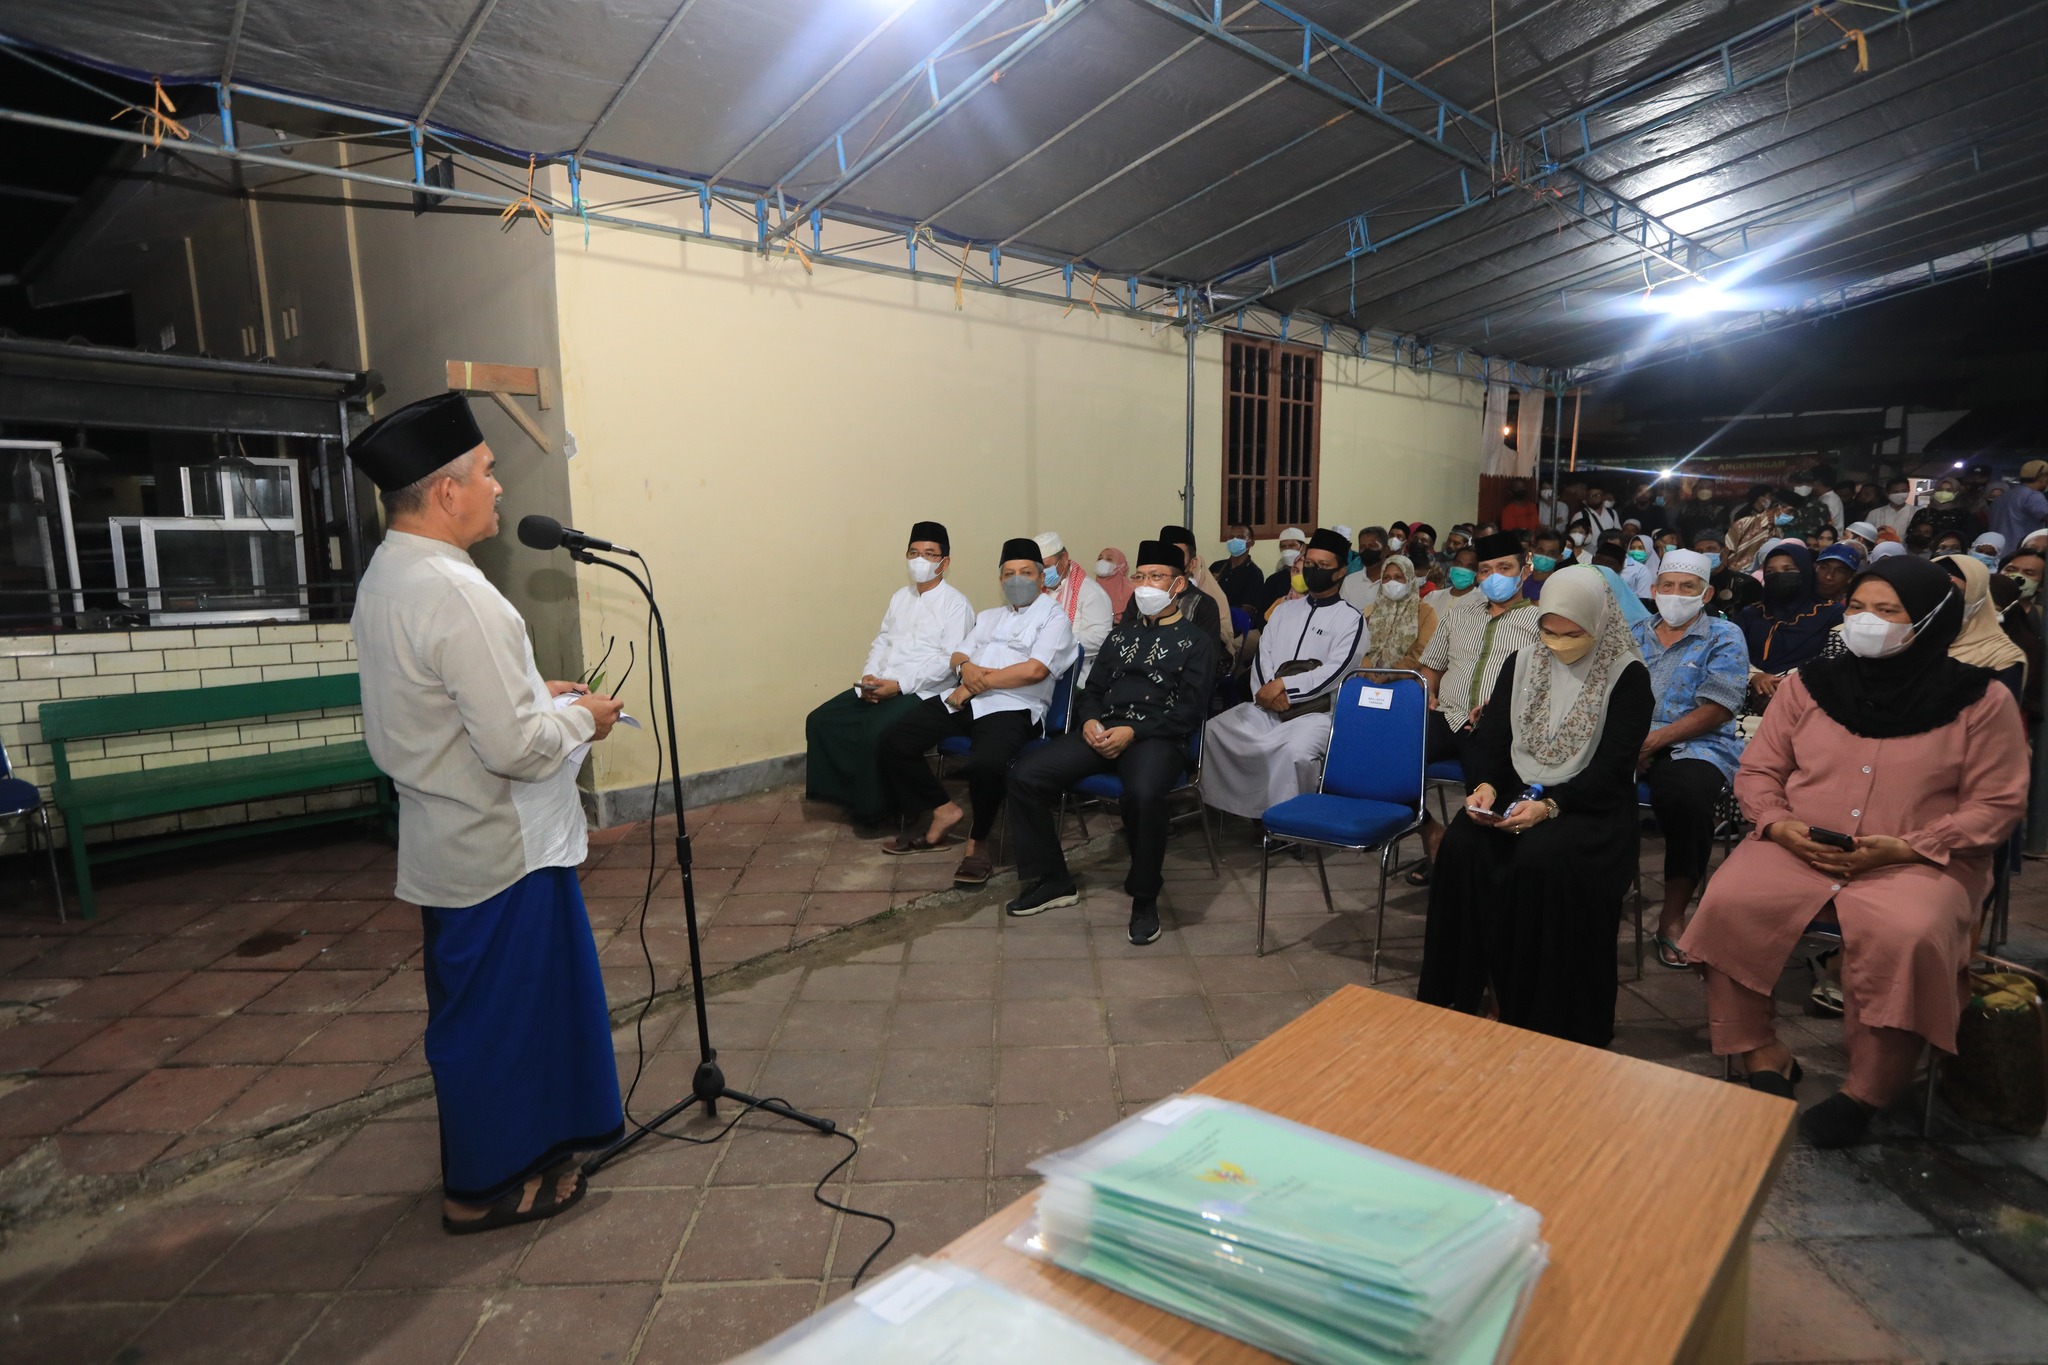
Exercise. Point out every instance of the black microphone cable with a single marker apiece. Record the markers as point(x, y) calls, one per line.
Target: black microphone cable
point(653, 980)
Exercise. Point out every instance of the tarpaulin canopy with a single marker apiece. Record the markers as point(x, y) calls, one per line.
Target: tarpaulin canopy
point(1321, 159)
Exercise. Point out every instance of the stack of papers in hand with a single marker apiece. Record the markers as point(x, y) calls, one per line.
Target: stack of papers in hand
point(936, 1313)
point(1303, 1244)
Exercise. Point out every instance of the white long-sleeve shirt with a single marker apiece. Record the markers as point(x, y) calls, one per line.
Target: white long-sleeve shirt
point(920, 631)
point(1008, 635)
point(1093, 616)
point(459, 719)
point(1333, 633)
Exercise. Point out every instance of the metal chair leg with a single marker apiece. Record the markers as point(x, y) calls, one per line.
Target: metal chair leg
point(1265, 861)
point(1933, 1077)
point(1379, 932)
point(1323, 875)
point(1208, 839)
point(1639, 924)
point(50, 851)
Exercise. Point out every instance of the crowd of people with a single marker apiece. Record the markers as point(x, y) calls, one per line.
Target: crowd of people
point(1841, 668)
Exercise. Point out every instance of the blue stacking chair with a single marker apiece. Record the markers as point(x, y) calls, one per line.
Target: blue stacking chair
point(1109, 787)
point(19, 796)
point(1440, 777)
point(1371, 791)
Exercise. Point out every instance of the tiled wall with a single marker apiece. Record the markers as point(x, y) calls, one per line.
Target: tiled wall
point(39, 668)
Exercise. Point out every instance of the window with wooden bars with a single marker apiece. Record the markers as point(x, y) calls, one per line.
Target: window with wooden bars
point(1272, 435)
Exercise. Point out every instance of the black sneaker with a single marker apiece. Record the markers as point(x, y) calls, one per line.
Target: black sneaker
point(1144, 922)
point(1047, 893)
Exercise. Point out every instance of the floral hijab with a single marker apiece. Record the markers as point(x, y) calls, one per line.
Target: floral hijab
point(1560, 709)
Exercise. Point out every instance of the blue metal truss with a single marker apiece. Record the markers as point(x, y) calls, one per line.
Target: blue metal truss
point(1544, 146)
point(1057, 14)
point(1445, 128)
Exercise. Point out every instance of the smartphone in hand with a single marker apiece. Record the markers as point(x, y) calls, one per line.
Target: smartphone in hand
point(1481, 816)
point(1833, 839)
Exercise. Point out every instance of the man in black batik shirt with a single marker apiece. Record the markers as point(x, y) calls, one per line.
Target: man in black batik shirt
point(1149, 691)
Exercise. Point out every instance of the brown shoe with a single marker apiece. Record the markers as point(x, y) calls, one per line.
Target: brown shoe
point(973, 870)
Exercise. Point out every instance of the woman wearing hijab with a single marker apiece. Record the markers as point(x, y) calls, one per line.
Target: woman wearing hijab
point(1113, 576)
point(1981, 643)
point(1921, 764)
point(1401, 622)
point(1639, 568)
point(1989, 549)
point(1790, 626)
point(1530, 878)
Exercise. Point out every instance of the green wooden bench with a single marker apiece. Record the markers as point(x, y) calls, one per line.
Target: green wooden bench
point(140, 795)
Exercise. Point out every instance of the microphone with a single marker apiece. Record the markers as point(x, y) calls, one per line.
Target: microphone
point(537, 532)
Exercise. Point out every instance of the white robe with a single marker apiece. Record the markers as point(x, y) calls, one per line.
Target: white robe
point(1252, 759)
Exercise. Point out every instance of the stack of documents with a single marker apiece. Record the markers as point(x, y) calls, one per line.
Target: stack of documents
point(1303, 1244)
point(937, 1313)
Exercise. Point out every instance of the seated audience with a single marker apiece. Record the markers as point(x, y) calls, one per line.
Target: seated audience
point(1921, 763)
point(1421, 548)
point(1007, 668)
point(1897, 512)
point(1946, 543)
point(1362, 580)
point(1132, 719)
point(1461, 580)
point(1947, 513)
point(1522, 512)
point(1982, 643)
point(1699, 673)
point(1113, 576)
point(1988, 549)
point(1728, 590)
point(2016, 592)
point(1862, 535)
point(1401, 622)
point(1702, 512)
point(1639, 567)
point(1089, 611)
point(1532, 874)
point(1463, 659)
point(1240, 580)
point(1757, 521)
point(1790, 625)
point(911, 660)
point(1267, 750)
point(1546, 556)
point(1834, 567)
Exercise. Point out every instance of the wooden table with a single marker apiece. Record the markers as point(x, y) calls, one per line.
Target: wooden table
point(1648, 1178)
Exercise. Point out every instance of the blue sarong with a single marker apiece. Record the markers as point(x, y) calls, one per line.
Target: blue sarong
point(517, 1035)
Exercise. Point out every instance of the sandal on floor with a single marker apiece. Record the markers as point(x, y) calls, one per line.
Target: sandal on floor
point(973, 870)
point(1669, 954)
point(1825, 1000)
point(1420, 875)
point(905, 843)
point(505, 1213)
point(1775, 1082)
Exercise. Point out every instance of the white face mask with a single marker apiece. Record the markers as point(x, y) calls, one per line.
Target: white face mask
point(1578, 537)
point(1290, 557)
point(1393, 589)
point(920, 569)
point(1804, 490)
point(1677, 609)
point(1103, 568)
point(1150, 600)
point(1898, 499)
point(1394, 544)
point(1870, 636)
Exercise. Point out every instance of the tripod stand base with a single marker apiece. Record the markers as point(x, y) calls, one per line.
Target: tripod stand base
point(707, 1087)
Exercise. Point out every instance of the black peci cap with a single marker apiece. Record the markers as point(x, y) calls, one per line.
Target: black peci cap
point(405, 446)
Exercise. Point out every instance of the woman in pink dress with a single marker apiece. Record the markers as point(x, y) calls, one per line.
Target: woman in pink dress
point(1923, 765)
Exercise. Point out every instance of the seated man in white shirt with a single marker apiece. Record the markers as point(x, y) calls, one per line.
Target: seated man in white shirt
point(910, 660)
point(1267, 750)
point(1008, 667)
point(1089, 611)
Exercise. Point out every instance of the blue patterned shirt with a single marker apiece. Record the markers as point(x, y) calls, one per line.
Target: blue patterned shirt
point(1710, 663)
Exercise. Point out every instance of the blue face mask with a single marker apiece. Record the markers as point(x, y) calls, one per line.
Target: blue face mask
point(1052, 576)
point(1783, 519)
point(1235, 546)
point(1500, 587)
point(1988, 561)
point(1713, 562)
point(1639, 556)
point(1543, 563)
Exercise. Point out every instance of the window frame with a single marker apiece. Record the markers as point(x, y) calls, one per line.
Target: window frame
point(1280, 408)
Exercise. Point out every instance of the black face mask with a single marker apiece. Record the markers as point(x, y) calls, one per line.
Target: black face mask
point(1370, 557)
point(1318, 578)
point(1783, 586)
point(1918, 542)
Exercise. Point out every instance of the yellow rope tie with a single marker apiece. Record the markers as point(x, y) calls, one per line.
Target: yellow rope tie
point(527, 201)
point(1849, 35)
point(792, 247)
point(157, 119)
point(960, 281)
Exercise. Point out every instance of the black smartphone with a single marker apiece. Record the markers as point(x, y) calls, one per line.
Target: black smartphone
point(1845, 842)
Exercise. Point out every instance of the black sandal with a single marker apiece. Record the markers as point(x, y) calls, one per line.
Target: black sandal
point(1419, 875)
point(506, 1213)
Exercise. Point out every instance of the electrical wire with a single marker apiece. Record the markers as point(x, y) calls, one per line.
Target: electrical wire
point(647, 955)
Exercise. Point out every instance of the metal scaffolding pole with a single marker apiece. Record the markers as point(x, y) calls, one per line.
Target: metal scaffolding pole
point(1187, 492)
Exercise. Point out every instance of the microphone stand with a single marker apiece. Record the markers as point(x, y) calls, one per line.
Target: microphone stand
point(707, 1085)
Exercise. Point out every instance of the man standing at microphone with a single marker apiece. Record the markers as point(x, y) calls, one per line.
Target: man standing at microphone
point(490, 830)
